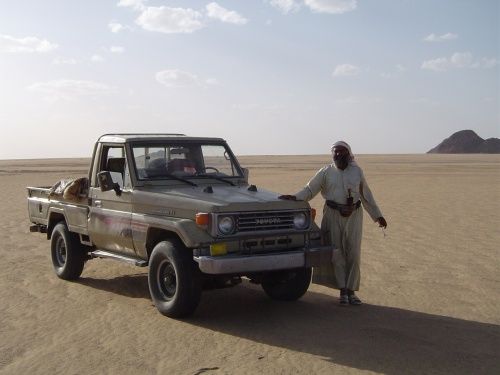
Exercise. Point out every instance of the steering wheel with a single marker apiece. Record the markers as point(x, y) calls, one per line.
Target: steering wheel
point(212, 168)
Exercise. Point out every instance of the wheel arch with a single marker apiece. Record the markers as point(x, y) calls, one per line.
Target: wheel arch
point(156, 235)
point(54, 219)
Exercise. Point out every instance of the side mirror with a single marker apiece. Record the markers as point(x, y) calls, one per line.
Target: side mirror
point(106, 182)
point(246, 173)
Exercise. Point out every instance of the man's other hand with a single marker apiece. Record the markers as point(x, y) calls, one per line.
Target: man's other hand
point(381, 222)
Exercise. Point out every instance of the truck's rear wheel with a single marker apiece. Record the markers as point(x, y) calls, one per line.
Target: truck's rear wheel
point(68, 256)
point(287, 285)
point(174, 279)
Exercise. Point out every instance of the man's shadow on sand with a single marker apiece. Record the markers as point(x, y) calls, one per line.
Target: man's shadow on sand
point(368, 337)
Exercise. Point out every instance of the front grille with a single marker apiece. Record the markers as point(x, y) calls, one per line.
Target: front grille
point(265, 221)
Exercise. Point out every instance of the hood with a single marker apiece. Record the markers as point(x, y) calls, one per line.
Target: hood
point(188, 200)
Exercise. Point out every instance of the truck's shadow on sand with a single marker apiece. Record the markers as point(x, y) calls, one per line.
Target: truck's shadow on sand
point(368, 337)
point(134, 286)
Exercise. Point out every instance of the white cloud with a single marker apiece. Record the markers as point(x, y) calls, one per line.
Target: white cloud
point(400, 68)
point(215, 11)
point(170, 20)
point(459, 60)
point(487, 63)
point(134, 4)
point(68, 89)
point(285, 6)
point(63, 61)
point(331, 6)
point(97, 59)
point(440, 64)
point(346, 70)
point(116, 49)
point(115, 27)
point(211, 81)
point(440, 38)
point(29, 44)
point(177, 78)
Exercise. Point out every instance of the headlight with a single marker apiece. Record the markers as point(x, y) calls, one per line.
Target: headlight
point(300, 221)
point(226, 224)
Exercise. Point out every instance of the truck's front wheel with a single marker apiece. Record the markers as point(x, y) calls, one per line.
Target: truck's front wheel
point(68, 257)
point(287, 285)
point(174, 279)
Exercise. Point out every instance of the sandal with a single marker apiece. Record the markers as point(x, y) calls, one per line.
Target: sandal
point(344, 299)
point(354, 300)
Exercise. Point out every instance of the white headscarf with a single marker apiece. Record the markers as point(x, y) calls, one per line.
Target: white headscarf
point(344, 144)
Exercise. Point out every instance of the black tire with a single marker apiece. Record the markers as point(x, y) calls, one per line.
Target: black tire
point(287, 285)
point(174, 279)
point(68, 255)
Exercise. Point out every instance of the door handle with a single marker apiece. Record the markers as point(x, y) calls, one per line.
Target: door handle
point(98, 203)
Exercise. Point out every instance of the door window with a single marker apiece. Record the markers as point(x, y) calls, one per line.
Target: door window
point(114, 161)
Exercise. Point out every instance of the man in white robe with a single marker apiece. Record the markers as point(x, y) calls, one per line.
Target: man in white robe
point(344, 188)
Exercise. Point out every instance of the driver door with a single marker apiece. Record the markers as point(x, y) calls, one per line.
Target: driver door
point(111, 214)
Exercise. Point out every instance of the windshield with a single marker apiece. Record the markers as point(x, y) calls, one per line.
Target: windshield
point(184, 160)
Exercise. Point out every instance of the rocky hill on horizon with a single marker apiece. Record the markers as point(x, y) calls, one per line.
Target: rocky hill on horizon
point(467, 142)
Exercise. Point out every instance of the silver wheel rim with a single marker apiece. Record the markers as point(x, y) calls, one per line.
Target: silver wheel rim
point(166, 279)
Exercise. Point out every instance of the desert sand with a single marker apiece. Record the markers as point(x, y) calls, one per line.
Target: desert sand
point(431, 287)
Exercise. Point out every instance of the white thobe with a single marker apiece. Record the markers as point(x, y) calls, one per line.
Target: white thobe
point(342, 232)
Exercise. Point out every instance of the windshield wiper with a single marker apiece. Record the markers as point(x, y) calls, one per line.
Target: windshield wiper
point(215, 178)
point(179, 179)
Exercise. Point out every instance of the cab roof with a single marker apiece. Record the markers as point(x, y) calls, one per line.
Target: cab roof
point(134, 137)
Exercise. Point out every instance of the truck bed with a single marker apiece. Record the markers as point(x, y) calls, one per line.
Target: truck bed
point(41, 205)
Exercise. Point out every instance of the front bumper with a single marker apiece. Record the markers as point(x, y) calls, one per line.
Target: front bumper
point(241, 264)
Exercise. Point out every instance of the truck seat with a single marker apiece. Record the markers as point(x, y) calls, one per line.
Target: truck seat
point(116, 165)
point(181, 165)
point(157, 168)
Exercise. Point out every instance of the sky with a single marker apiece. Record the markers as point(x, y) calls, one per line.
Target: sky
point(286, 77)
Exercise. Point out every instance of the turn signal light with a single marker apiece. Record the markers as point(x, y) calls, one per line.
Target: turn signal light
point(202, 218)
point(313, 214)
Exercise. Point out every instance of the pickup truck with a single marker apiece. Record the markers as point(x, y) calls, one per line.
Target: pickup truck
point(183, 207)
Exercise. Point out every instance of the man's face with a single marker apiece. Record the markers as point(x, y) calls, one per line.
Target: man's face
point(340, 157)
point(339, 151)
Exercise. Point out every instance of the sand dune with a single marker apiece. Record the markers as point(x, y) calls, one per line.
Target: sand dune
point(431, 287)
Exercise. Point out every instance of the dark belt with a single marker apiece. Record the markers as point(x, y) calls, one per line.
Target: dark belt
point(344, 209)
